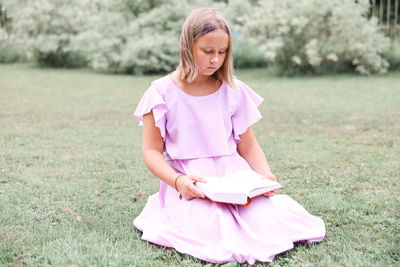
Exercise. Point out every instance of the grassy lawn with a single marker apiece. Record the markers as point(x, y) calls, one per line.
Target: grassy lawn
point(72, 179)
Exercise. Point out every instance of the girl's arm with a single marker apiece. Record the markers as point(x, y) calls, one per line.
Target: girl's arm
point(251, 151)
point(152, 150)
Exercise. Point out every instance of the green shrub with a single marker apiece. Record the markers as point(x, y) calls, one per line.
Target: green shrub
point(128, 36)
point(62, 59)
point(300, 36)
point(393, 55)
point(46, 28)
point(139, 36)
point(144, 41)
point(10, 53)
point(246, 55)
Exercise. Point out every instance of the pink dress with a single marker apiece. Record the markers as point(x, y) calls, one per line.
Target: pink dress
point(201, 135)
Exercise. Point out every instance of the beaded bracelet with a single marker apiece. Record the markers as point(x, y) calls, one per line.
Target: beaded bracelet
point(176, 180)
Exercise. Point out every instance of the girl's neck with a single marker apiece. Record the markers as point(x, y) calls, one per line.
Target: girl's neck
point(202, 85)
point(203, 79)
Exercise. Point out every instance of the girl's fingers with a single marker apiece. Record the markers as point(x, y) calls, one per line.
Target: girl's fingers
point(189, 190)
point(196, 192)
point(194, 188)
point(196, 178)
point(270, 194)
point(192, 194)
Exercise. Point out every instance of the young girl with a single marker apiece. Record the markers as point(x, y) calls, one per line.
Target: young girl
point(196, 123)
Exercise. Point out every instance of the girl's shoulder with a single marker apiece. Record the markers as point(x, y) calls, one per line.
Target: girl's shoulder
point(238, 82)
point(240, 89)
point(243, 93)
point(161, 84)
point(240, 85)
point(164, 88)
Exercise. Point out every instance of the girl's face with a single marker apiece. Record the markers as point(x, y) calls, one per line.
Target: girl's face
point(210, 51)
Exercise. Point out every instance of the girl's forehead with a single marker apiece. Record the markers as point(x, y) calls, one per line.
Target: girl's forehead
point(217, 38)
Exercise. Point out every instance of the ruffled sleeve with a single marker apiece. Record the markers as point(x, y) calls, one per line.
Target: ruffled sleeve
point(153, 100)
point(246, 112)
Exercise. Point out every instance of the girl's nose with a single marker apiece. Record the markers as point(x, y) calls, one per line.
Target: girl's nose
point(214, 59)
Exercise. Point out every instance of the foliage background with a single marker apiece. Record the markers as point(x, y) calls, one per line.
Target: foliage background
point(135, 36)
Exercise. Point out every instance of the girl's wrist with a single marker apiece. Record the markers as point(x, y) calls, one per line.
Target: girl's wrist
point(176, 181)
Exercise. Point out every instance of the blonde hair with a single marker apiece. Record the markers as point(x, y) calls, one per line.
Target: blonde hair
point(199, 22)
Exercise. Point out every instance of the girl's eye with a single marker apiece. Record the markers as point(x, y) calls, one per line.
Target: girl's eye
point(208, 52)
point(222, 52)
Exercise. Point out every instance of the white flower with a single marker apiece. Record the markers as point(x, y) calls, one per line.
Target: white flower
point(270, 55)
point(312, 52)
point(332, 57)
point(296, 60)
point(294, 22)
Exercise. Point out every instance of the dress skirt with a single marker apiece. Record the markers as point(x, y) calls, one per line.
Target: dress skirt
point(220, 232)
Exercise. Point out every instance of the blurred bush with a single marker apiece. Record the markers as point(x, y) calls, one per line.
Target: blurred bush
point(46, 28)
point(136, 36)
point(393, 55)
point(139, 36)
point(302, 36)
point(128, 36)
point(132, 36)
point(11, 53)
point(246, 55)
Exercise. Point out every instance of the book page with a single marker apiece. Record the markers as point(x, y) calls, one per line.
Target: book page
point(219, 190)
point(244, 183)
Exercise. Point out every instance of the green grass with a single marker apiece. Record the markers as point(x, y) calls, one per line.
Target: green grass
point(72, 179)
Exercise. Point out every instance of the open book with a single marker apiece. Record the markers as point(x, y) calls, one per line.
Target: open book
point(237, 187)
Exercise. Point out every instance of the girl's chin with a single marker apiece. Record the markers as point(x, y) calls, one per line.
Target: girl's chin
point(209, 71)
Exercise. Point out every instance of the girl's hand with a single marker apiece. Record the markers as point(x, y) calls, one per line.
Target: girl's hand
point(186, 186)
point(273, 178)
